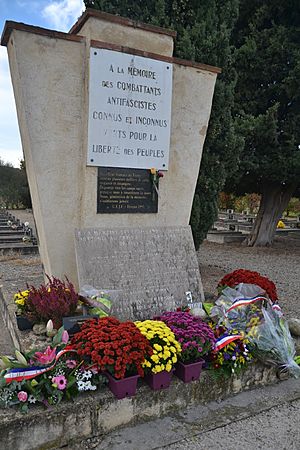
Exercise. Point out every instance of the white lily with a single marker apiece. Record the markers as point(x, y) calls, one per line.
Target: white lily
point(21, 358)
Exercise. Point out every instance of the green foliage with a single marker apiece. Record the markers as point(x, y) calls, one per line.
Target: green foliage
point(14, 191)
point(203, 34)
point(267, 102)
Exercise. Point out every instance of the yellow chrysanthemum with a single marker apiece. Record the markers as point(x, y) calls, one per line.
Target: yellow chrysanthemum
point(20, 301)
point(155, 358)
point(157, 347)
point(168, 367)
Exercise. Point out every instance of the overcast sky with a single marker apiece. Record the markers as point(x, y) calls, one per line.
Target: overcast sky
point(58, 15)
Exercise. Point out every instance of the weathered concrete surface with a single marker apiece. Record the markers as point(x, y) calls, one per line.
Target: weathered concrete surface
point(266, 418)
point(99, 413)
point(99, 29)
point(50, 80)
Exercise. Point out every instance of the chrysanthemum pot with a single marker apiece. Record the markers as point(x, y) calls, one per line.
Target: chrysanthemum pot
point(125, 387)
point(189, 371)
point(159, 380)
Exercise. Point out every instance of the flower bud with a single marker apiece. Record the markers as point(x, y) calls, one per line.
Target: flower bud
point(65, 337)
point(6, 361)
point(49, 326)
point(22, 360)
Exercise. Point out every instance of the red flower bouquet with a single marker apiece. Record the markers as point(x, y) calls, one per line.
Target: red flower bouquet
point(116, 347)
point(247, 276)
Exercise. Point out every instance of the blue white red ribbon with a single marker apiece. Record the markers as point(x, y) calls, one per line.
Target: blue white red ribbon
point(276, 307)
point(27, 373)
point(245, 301)
point(222, 342)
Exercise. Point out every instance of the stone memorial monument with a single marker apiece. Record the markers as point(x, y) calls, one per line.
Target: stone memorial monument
point(101, 110)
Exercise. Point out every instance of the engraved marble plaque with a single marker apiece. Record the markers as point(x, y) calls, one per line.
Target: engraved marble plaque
point(154, 267)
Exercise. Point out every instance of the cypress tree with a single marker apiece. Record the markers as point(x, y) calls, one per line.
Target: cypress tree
point(204, 31)
point(267, 107)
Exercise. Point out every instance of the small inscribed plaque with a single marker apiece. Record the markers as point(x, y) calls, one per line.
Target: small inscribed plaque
point(125, 191)
point(153, 267)
point(129, 111)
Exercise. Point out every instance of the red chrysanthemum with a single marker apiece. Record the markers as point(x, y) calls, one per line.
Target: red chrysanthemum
point(113, 346)
point(250, 277)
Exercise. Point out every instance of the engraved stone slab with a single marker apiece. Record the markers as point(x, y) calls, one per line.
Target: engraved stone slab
point(154, 267)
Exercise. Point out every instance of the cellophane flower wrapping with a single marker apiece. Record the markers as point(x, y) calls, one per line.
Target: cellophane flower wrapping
point(271, 341)
point(238, 318)
point(264, 327)
point(99, 301)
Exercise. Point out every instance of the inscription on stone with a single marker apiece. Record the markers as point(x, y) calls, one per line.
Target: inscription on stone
point(154, 267)
point(129, 110)
point(125, 191)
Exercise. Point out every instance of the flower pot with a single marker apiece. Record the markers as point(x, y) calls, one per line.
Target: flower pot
point(189, 372)
point(159, 380)
point(126, 387)
point(23, 323)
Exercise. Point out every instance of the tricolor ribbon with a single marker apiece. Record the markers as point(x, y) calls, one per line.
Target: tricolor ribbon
point(222, 342)
point(276, 307)
point(245, 301)
point(26, 373)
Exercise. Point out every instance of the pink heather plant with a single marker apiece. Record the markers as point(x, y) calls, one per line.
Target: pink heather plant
point(195, 336)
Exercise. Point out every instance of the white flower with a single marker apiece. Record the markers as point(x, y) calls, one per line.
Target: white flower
point(85, 386)
point(233, 358)
point(31, 399)
point(81, 385)
point(86, 375)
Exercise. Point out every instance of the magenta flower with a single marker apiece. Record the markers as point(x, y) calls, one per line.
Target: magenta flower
point(71, 363)
point(45, 357)
point(195, 336)
point(60, 381)
point(65, 337)
point(22, 396)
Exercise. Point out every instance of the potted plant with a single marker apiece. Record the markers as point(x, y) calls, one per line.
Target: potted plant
point(116, 348)
point(23, 322)
point(196, 339)
point(53, 300)
point(238, 276)
point(159, 366)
